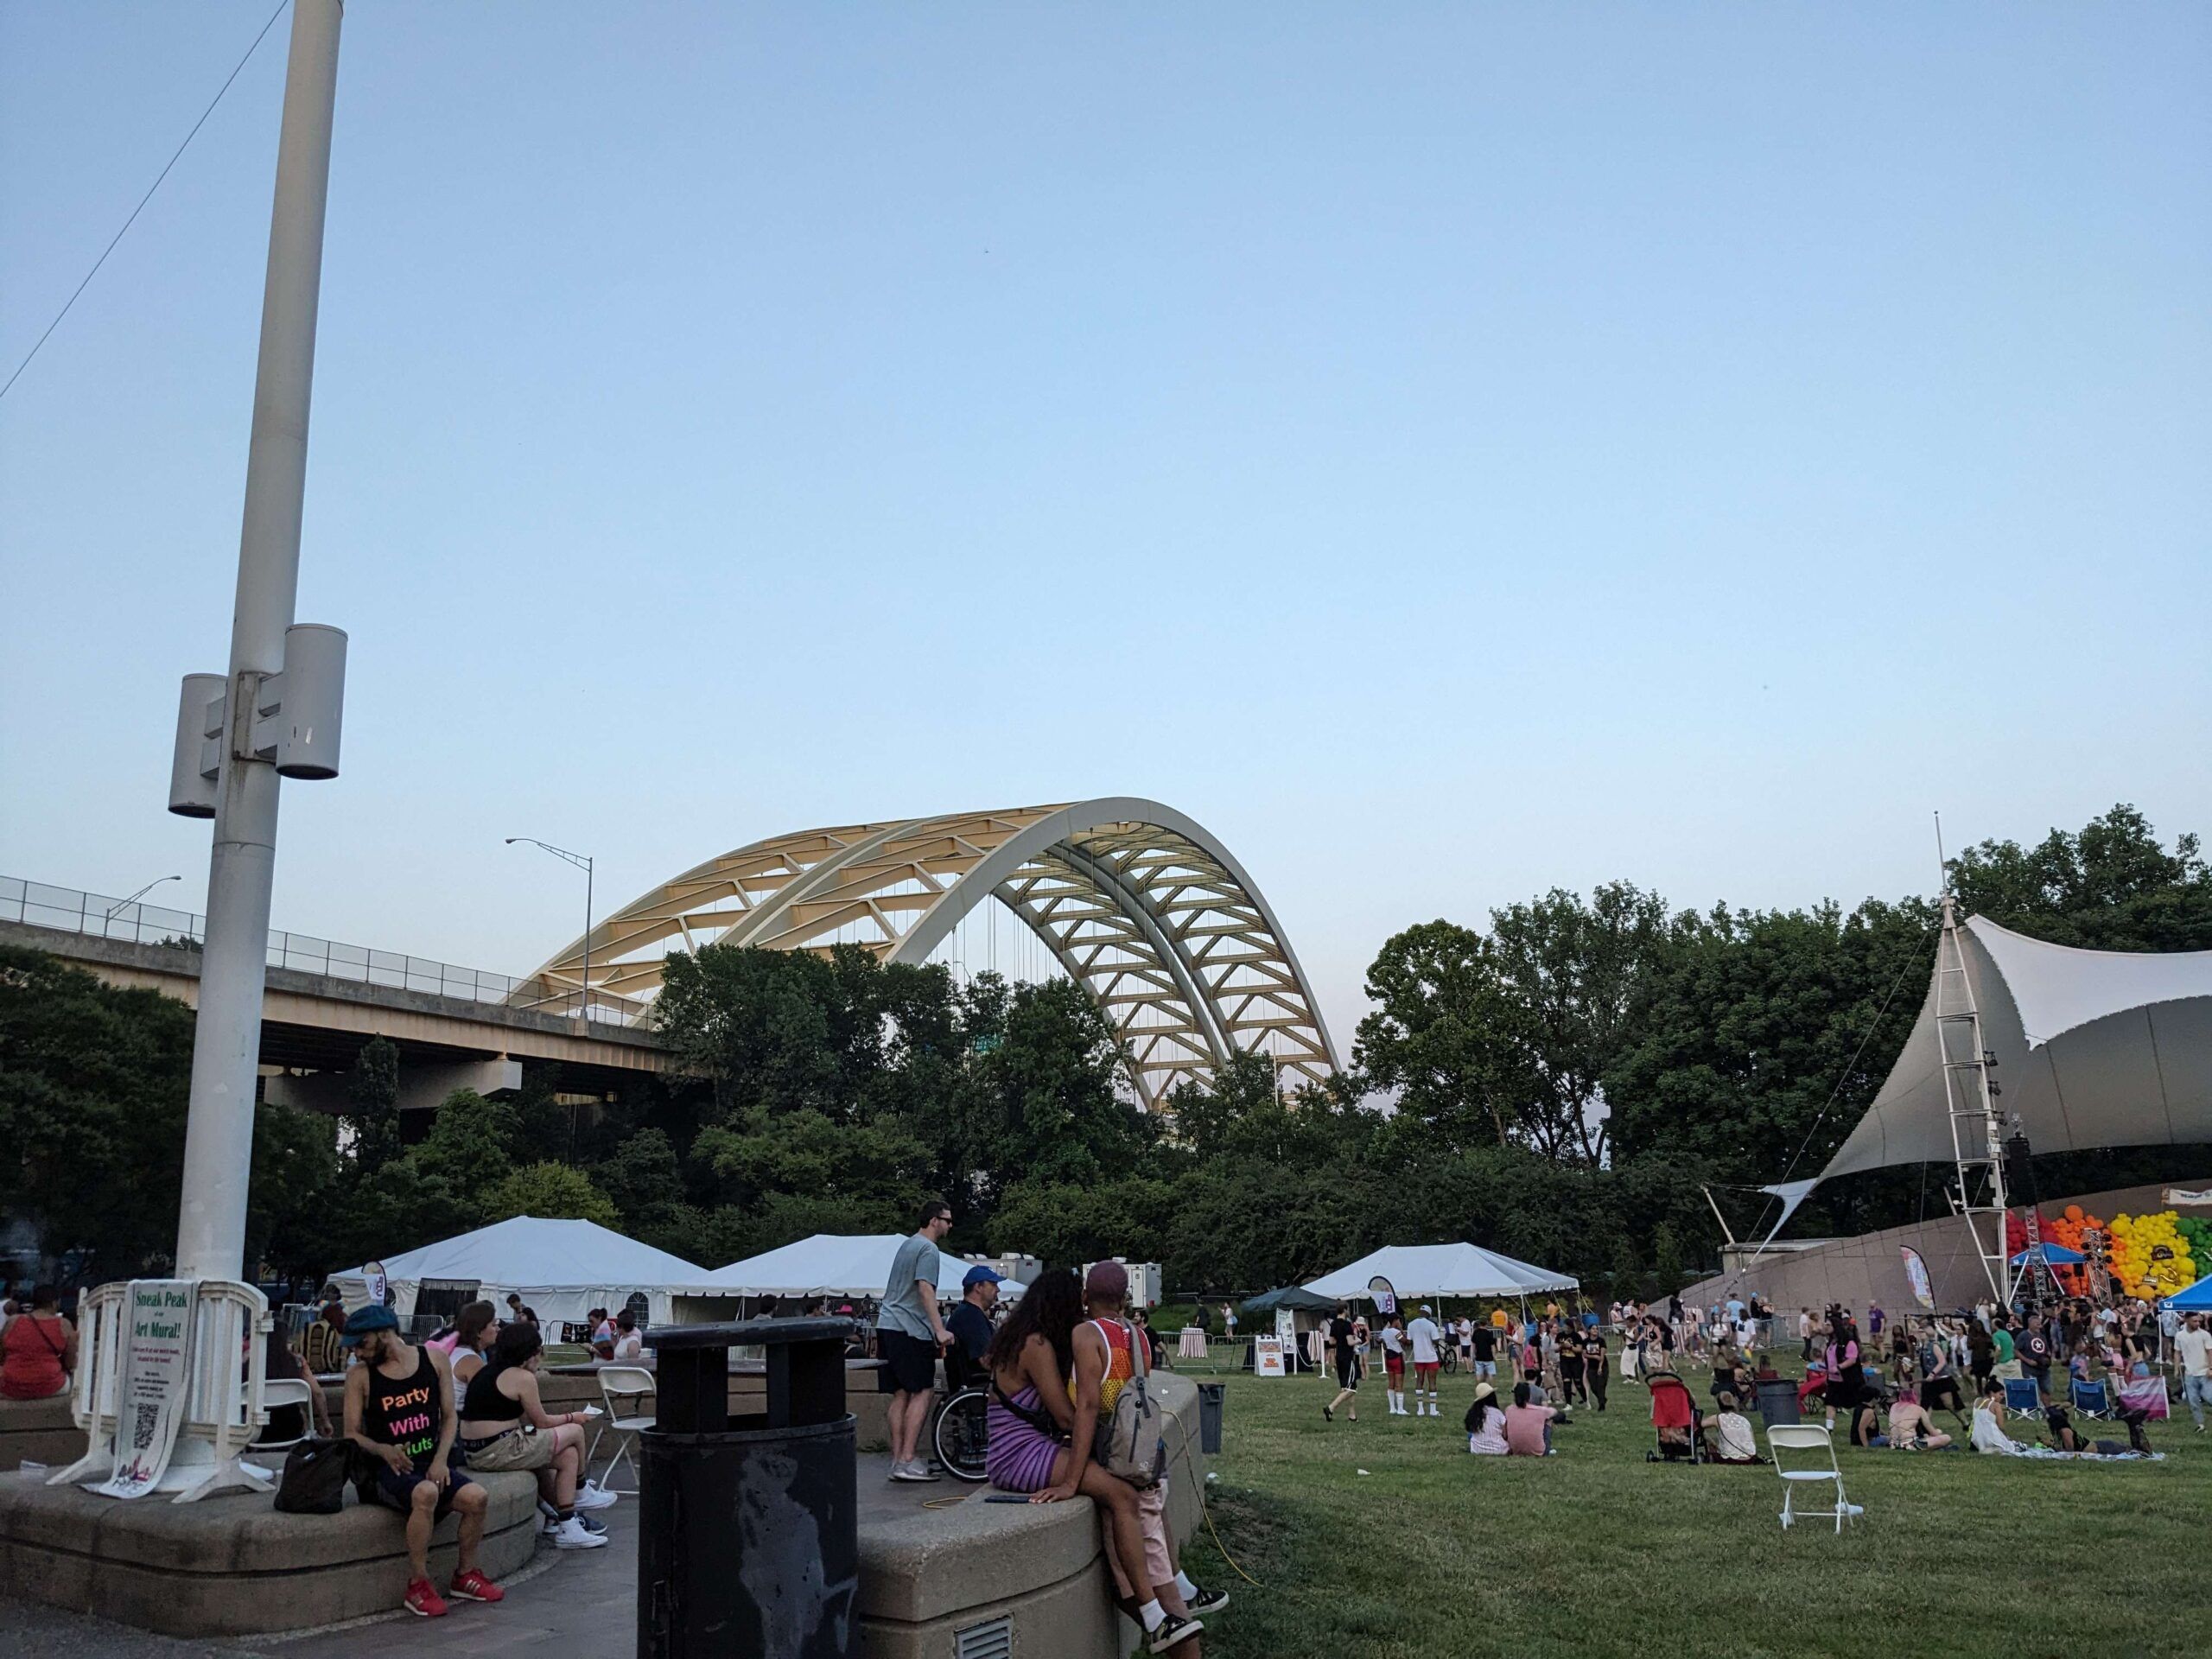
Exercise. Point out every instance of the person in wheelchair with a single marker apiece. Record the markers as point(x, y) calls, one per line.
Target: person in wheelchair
point(971, 1328)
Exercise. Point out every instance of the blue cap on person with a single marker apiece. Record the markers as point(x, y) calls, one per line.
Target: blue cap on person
point(980, 1275)
point(361, 1321)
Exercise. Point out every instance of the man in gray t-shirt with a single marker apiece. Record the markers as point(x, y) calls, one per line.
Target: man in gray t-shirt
point(909, 1337)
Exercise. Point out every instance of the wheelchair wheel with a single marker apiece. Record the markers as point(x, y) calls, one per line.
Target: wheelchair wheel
point(961, 1435)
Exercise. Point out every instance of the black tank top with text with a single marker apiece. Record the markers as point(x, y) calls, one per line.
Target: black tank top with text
point(410, 1414)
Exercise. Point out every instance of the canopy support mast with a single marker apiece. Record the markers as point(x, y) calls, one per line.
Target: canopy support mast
point(1970, 1097)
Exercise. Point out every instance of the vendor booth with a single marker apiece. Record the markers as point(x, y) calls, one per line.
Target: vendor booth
point(562, 1270)
point(852, 1265)
point(1435, 1271)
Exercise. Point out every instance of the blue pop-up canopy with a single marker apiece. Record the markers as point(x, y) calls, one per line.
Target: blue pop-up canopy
point(2057, 1254)
point(2198, 1299)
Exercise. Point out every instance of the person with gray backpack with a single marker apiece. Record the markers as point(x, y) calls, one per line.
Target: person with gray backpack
point(1113, 1369)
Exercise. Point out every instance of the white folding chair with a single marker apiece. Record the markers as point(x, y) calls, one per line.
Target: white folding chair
point(1811, 1438)
point(286, 1391)
point(621, 1385)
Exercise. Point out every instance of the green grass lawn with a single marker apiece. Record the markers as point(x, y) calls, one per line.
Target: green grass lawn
point(1430, 1552)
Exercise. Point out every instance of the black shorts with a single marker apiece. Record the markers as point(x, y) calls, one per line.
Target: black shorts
point(397, 1491)
point(909, 1364)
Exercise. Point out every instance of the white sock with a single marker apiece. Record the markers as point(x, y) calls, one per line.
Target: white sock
point(1152, 1612)
point(1184, 1587)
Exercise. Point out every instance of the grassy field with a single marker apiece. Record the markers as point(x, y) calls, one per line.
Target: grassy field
point(1384, 1539)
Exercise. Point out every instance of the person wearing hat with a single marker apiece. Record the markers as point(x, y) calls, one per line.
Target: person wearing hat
point(971, 1326)
point(1486, 1424)
point(397, 1412)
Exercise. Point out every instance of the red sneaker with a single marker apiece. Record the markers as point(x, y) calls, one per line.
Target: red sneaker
point(424, 1602)
point(472, 1586)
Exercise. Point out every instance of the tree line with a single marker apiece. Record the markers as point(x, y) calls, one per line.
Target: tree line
point(1561, 1085)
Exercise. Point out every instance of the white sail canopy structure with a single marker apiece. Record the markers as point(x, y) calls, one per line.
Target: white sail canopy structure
point(1416, 1270)
point(2095, 1048)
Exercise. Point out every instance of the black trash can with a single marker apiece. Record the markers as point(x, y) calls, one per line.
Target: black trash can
point(749, 1541)
point(1210, 1395)
point(1778, 1402)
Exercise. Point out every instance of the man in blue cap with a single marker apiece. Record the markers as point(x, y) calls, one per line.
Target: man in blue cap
point(396, 1411)
point(970, 1325)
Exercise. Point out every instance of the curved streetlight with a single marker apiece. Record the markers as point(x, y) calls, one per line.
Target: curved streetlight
point(584, 864)
point(108, 915)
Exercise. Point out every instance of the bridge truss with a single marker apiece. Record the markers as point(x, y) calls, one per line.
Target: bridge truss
point(1137, 903)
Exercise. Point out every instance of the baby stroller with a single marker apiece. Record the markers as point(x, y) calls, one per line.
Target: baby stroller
point(1675, 1417)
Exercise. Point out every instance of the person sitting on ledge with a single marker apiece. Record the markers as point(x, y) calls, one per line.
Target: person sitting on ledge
point(1106, 1289)
point(1040, 1441)
point(40, 1348)
point(321, 1347)
point(397, 1412)
point(629, 1346)
point(504, 1425)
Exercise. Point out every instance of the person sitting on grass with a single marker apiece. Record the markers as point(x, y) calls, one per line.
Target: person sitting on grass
point(505, 1425)
point(396, 1411)
point(1040, 1439)
point(1866, 1422)
point(1733, 1440)
point(1527, 1427)
point(1911, 1427)
point(1485, 1424)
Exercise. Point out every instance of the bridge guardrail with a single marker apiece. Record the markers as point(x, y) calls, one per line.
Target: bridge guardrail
point(69, 910)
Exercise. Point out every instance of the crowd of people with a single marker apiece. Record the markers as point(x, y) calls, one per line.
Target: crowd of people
point(1879, 1385)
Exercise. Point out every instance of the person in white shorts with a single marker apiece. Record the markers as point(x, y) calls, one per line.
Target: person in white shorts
point(1424, 1335)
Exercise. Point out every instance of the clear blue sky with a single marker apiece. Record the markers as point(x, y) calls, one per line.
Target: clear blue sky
point(1447, 450)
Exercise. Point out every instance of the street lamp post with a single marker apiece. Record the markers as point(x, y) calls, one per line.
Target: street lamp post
point(230, 755)
point(108, 915)
point(584, 864)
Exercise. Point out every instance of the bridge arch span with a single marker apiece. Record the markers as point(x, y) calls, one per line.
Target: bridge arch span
point(1139, 904)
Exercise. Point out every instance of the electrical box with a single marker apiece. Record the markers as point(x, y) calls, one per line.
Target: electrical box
point(192, 790)
point(312, 701)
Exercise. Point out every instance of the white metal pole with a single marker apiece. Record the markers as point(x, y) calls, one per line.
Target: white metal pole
point(226, 1044)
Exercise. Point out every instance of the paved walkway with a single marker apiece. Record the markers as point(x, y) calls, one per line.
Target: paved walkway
point(577, 1603)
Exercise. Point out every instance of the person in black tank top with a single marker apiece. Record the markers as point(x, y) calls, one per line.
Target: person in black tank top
point(395, 1413)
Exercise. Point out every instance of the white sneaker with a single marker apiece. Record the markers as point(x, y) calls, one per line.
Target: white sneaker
point(591, 1495)
point(572, 1533)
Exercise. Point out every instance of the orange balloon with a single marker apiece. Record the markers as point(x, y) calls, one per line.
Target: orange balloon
point(2073, 1212)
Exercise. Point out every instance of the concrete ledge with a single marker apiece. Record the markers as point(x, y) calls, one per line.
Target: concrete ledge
point(927, 1574)
point(230, 1566)
point(41, 1431)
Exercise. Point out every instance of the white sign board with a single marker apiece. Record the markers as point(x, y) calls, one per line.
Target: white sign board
point(1267, 1357)
point(150, 1391)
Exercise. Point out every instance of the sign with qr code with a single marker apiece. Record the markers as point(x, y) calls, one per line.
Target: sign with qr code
point(150, 1389)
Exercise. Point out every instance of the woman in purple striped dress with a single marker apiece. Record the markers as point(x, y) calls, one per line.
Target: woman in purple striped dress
point(1039, 1443)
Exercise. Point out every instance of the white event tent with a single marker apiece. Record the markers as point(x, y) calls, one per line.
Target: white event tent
point(1416, 1270)
point(561, 1269)
point(838, 1264)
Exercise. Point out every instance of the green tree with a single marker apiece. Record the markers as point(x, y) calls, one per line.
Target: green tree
point(552, 1191)
point(93, 1083)
point(2112, 886)
point(372, 1105)
point(1448, 1036)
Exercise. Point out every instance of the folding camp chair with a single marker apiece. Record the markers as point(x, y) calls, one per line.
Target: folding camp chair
point(1808, 1438)
point(2022, 1398)
point(621, 1385)
point(2091, 1398)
